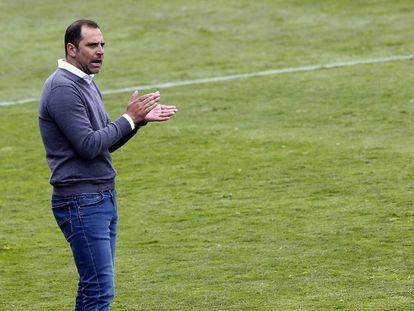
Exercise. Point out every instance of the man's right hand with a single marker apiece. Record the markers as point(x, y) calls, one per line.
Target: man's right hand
point(140, 106)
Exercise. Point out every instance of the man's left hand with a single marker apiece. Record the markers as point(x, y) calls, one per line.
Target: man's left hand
point(161, 113)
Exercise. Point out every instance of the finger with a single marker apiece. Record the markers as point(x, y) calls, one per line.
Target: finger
point(169, 110)
point(149, 106)
point(150, 98)
point(165, 107)
point(147, 100)
point(161, 119)
point(151, 103)
point(156, 96)
point(166, 115)
point(145, 96)
point(151, 94)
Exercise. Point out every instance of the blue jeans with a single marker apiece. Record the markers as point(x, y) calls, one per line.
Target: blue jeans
point(89, 223)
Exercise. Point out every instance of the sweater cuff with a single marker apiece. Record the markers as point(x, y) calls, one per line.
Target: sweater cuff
point(142, 123)
point(130, 121)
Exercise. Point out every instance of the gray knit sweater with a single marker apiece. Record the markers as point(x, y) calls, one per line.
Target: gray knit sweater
point(78, 135)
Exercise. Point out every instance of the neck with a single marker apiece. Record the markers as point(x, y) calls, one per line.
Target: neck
point(73, 62)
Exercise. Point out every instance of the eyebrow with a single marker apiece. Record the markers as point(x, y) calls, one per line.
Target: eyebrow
point(95, 43)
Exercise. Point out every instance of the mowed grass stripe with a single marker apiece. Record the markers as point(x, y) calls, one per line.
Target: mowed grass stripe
point(238, 76)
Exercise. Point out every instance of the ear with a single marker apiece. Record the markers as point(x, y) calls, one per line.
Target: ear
point(71, 49)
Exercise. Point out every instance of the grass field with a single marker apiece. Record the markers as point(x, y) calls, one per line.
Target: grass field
point(284, 192)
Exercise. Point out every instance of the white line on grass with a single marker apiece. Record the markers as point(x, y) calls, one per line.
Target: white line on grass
point(237, 76)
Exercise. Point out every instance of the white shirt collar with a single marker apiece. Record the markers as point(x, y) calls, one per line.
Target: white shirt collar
point(63, 64)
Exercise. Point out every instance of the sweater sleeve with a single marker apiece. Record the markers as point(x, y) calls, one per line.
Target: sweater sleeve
point(123, 140)
point(127, 137)
point(67, 109)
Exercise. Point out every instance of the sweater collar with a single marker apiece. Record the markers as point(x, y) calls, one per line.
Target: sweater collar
point(63, 64)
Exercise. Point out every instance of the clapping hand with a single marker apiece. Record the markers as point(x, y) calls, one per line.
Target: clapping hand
point(146, 108)
point(160, 113)
point(139, 106)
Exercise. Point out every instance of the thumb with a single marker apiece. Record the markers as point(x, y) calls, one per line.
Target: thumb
point(134, 95)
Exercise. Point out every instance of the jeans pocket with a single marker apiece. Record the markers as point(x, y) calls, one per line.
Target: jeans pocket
point(62, 214)
point(89, 199)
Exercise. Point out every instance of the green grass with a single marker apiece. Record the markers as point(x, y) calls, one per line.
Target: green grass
point(288, 192)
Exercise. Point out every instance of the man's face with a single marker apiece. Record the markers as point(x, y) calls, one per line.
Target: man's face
point(89, 54)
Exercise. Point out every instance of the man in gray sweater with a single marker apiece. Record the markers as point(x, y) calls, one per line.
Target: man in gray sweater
point(79, 136)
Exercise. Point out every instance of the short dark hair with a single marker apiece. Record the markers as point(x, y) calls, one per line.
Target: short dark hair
point(73, 32)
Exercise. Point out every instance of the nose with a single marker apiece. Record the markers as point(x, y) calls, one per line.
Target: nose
point(100, 50)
